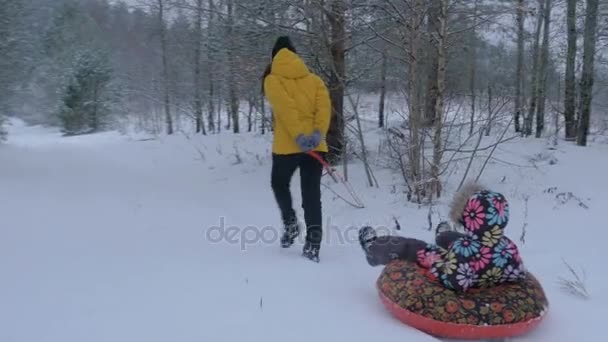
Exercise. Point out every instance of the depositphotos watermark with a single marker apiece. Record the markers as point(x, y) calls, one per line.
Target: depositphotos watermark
point(244, 236)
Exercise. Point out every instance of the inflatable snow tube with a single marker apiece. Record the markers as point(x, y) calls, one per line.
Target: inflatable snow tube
point(508, 310)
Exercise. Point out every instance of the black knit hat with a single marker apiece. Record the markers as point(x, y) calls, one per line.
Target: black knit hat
point(283, 42)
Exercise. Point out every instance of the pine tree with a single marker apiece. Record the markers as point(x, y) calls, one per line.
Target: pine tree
point(66, 30)
point(14, 45)
point(85, 103)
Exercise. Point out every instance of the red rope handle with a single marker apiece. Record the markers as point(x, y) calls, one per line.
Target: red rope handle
point(338, 179)
point(319, 158)
point(330, 171)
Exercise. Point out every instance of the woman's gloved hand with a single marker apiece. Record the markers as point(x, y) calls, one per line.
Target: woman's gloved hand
point(315, 138)
point(304, 142)
point(308, 142)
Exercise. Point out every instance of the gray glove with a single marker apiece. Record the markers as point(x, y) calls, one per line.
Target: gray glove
point(315, 138)
point(304, 142)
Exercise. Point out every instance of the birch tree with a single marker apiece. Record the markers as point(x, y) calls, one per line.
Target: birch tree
point(535, 84)
point(439, 109)
point(472, 85)
point(165, 67)
point(414, 104)
point(434, 13)
point(520, 65)
point(544, 60)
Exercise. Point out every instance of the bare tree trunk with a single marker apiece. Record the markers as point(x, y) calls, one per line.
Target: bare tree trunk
point(535, 73)
point(345, 161)
point(335, 137)
point(165, 71)
point(441, 70)
point(489, 124)
point(94, 120)
point(473, 57)
point(570, 83)
point(432, 64)
point(198, 101)
point(232, 77)
point(219, 112)
point(250, 116)
point(520, 66)
point(382, 90)
point(355, 106)
point(414, 104)
point(210, 62)
point(263, 110)
point(556, 114)
point(228, 113)
point(588, 70)
point(544, 60)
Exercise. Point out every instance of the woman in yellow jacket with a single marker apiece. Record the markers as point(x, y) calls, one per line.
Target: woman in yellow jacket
point(302, 112)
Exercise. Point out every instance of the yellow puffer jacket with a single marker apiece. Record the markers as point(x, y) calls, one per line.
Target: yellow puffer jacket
point(299, 100)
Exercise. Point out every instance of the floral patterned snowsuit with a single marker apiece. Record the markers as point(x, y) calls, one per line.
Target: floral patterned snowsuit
point(484, 257)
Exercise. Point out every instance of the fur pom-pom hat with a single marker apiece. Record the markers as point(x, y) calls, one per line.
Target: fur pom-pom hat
point(459, 202)
point(480, 210)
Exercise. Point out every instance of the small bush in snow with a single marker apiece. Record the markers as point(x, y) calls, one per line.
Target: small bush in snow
point(547, 157)
point(563, 198)
point(524, 229)
point(237, 155)
point(575, 285)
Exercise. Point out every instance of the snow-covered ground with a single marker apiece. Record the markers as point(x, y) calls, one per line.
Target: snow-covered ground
point(115, 238)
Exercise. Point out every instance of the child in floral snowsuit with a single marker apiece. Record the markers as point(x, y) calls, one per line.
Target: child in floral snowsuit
point(483, 256)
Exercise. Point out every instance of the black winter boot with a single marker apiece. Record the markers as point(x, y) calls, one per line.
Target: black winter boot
point(367, 235)
point(311, 251)
point(291, 230)
point(443, 227)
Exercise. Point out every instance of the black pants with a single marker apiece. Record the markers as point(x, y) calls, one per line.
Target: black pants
point(387, 248)
point(311, 170)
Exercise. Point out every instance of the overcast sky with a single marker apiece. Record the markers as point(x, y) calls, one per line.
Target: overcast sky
point(129, 2)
